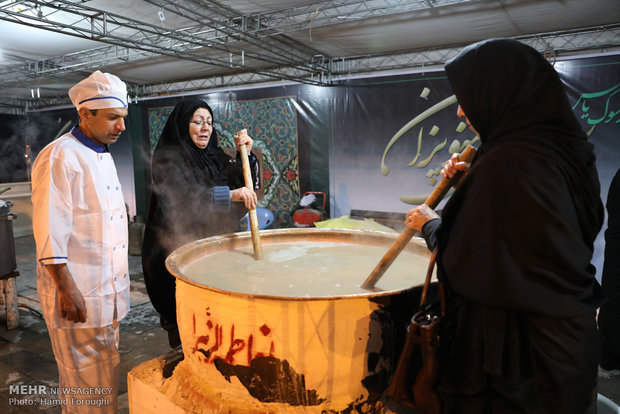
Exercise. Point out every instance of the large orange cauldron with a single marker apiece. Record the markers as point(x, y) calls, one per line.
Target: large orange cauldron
point(271, 353)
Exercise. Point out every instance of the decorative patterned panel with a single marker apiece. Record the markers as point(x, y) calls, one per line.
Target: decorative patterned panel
point(157, 120)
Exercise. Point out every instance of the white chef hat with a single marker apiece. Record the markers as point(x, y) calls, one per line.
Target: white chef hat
point(100, 90)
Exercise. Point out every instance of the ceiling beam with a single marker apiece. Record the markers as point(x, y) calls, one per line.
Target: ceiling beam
point(227, 30)
point(330, 12)
point(552, 45)
point(214, 82)
point(225, 21)
point(599, 39)
point(561, 43)
point(226, 26)
point(133, 35)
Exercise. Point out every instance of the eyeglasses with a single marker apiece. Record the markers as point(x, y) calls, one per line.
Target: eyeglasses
point(201, 123)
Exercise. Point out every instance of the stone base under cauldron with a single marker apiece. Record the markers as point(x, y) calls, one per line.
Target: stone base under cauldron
point(185, 393)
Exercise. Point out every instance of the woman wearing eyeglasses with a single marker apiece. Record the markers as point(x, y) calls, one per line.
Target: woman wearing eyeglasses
point(198, 191)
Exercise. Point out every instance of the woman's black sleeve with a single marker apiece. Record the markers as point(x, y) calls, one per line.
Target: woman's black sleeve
point(235, 173)
point(429, 232)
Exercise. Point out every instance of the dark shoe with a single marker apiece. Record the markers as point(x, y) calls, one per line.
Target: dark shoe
point(171, 359)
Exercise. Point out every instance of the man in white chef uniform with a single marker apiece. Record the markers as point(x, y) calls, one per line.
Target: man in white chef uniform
point(80, 229)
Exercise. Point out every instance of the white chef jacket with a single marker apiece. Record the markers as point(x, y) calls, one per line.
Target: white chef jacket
point(80, 219)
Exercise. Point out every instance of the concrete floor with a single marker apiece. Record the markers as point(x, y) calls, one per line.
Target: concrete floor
point(26, 355)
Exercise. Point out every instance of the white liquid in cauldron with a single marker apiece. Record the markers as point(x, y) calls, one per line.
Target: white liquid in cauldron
point(305, 269)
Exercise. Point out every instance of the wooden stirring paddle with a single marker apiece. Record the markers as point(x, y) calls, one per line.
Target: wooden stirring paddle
point(247, 175)
point(432, 201)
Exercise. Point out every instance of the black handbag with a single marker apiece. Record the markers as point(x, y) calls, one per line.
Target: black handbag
point(413, 383)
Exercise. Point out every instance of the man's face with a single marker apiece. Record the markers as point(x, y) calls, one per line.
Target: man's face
point(103, 125)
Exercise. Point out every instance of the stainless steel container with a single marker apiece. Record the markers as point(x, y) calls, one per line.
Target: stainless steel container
point(8, 262)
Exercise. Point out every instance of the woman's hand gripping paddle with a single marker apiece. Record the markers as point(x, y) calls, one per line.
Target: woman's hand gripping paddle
point(432, 201)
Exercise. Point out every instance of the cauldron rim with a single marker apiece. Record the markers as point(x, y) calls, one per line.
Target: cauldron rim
point(173, 261)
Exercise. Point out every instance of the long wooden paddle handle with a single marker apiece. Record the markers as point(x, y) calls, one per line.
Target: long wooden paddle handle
point(247, 175)
point(399, 244)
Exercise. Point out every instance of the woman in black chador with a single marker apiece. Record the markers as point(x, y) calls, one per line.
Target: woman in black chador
point(194, 182)
point(609, 316)
point(515, 241)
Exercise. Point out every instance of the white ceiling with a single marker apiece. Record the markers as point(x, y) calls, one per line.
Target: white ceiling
point(48, 45)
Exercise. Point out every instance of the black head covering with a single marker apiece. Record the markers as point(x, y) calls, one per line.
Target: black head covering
point(519, 231)
point(506, 87)
point(609, 315)
point(175, 136)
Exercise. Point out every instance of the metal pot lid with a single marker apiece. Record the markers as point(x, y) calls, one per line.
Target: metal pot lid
point(5, 207)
